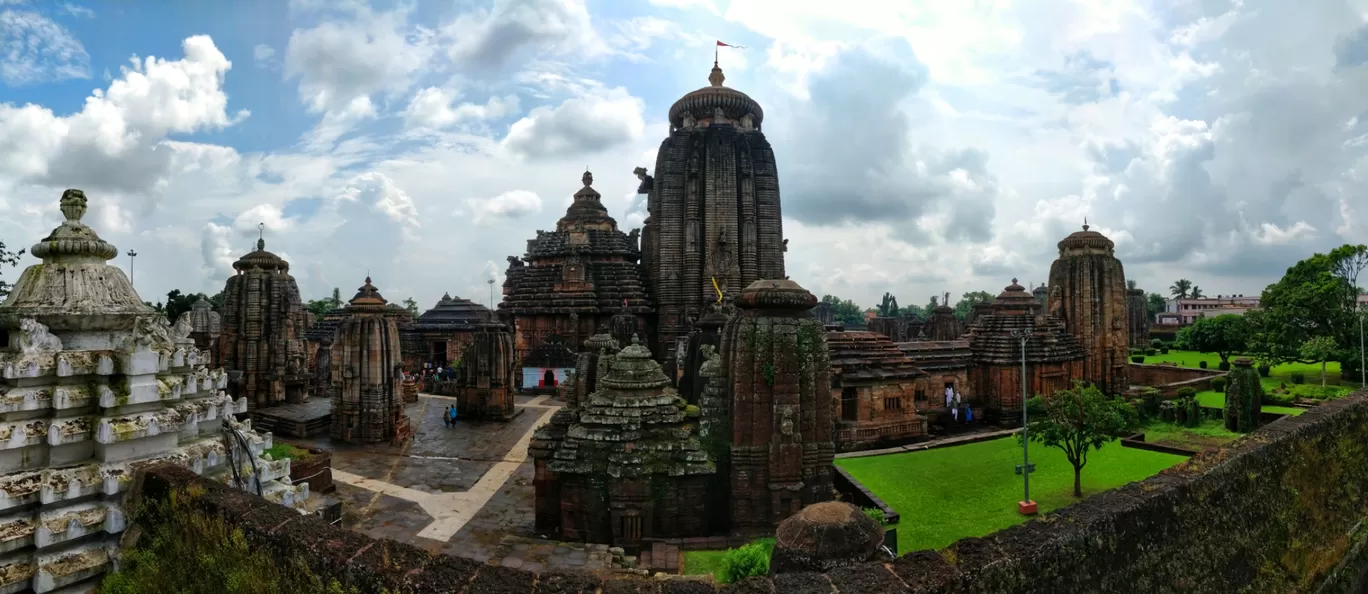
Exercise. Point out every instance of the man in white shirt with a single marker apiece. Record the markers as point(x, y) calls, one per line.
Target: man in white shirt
point(949, 397)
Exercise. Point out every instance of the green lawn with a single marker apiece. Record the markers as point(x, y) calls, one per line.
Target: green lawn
point(1210, 433)
point(1279, 373)
point(710, 562)
point(1214, 399)
point(947, 494)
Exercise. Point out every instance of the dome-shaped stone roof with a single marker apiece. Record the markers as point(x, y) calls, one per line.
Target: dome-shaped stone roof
point(1015, 299)
point(367, 298)
point(587, 207)
point(260, 258)
point(776, 294)
point(1086, 240)
point(824, 536)
point(703, 102)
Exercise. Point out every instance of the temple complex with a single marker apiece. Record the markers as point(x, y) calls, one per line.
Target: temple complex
point(205, 324)
point(574, 279)
point(95, 386)
point(630, 466)
point(1088, 292)
point(874, 386)
point(1137, 310)
point(365, 373)
point(713, 208)
point(779, 375)
point(262, 342)
point(487, 376)
point(439, 334)
point(1054, 358)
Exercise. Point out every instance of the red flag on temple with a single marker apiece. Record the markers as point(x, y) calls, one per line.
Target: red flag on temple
point(720, 44)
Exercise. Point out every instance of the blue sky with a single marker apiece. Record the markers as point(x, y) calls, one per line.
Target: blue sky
point(923, 146)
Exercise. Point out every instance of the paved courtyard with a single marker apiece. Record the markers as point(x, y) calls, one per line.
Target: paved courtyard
point(463, 491)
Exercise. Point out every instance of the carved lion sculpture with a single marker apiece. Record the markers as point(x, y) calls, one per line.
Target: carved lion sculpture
point(35, 338)
point(154, 332)
point(181, 331)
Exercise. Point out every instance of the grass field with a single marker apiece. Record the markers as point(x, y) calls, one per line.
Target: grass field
point(1279, 373)
point(1211, 433)
point(947, 494)
point(710, 562)
point(1214, 399)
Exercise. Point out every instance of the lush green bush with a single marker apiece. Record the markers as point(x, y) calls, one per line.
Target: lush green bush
point(1279, 396)
point(1186, 392)
point(877, 514)
point(1318, 392)
point(1156, 343)
point(1150, 352)
point(1298, 377)
point(1218, 384)
point(1264, 370)
point(746, 561)
point(1137, 358)
point(1164, 350)
point(187, 552)
point(1202, 364)
point(1223, 365)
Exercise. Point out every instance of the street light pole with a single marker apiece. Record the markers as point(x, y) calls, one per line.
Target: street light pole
point(1363, 373)
point(1025, 506)
point(491, 294)
point(131, 254)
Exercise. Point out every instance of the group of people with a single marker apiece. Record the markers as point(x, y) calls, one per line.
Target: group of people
point(437, 371)
point(449, 416)
point(959, 410)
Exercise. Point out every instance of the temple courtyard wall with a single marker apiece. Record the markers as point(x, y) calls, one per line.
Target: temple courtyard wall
point(1169, 378)
point(1282, 510)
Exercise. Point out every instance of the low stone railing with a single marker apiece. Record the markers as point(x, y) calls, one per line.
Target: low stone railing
point(1281, 510)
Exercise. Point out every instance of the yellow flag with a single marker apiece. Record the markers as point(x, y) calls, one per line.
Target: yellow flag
point(719, 291)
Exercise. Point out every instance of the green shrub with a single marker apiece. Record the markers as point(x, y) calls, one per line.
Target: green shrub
point(1298, 377)
point(1202, 364)
point(1317, 392)
point(746, 561)
point(1218, 384)
point(1264, 370)
point(1186, 392)
point(1137, 358)
point(1164, 350)
point(1150, 352)
point(1156, 343)
point(1223, 366)
point(877, 514)
point(1279, 397)
point(185, 551)
point(281, 450)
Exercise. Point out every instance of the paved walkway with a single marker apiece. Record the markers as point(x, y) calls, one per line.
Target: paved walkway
point(454, 490)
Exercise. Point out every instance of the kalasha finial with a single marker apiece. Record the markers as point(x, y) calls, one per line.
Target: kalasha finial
point(73, 205)
point(1014, 280)
point(716, 78)
point(587, 178)
point(1085, 223)
point(261, 237)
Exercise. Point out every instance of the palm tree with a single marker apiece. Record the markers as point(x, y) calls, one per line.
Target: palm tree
point(1131, 284)
point(1196, 292)
point(1180, 288)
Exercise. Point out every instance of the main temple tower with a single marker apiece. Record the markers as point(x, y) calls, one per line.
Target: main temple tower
point(713, 208)
point(1088, 292)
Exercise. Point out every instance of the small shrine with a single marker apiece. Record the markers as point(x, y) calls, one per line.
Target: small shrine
point(1054, 358)
point(942, 324)
point(486, 378)
point(629, 467)
point(875, 388)
point(440, 335)
point(95, 386)
point(366, 371)
point(205, 324)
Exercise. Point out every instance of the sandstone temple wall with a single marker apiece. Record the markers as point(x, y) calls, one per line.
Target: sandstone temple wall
point(1279, 511)
point(1168, 378)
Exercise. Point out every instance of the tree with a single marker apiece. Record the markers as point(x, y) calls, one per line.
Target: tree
point(11, 258)
point(319, 308)
point(888, 308)
point(966, 303)
point(1315, 297)
point(411, 306)
point(1078, 420)
point(1180, 288)
point(1196, 292)
point(844, 310)
point(1132, 284)
point(1155, 304)
point(1224, 335)
point(1319, 349)
point(337, 297)
point(177, 304)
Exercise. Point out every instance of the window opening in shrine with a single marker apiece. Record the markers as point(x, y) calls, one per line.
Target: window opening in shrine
point(629, 528)
point(850, 404)
point(919, 396)
point(894, 403)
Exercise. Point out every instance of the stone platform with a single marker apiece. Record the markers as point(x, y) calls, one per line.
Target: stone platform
point(295, 420)
point(458, 490)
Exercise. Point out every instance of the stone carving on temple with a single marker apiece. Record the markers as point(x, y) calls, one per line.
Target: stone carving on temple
point(629, 466)
point(95, 386)
point(707, 332)
point(205, 324)
point(1054, 358)
point(1088, 292)
point(366, 370)
point(1137, 312)
point(586, 366)
point(575, 279)
point(874, 388)
point(440, 334)
point(781, 416)
point(262, 331)
point(713, 208)
point(487, 376)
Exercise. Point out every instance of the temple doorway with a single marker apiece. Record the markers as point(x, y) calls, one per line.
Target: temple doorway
point(439, 353)
point(850, 404)
point(549, 379)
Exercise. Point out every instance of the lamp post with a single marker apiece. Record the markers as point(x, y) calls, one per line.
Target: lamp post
point(491, 294)
point(131, 254)
point(1025, 506)
point(1363, 373)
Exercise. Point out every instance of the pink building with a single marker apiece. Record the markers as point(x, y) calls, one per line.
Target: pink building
point(1187, 311)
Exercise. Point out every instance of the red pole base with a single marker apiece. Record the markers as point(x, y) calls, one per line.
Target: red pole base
point(1027, 508)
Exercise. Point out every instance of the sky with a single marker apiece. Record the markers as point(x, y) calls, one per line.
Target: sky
point(923, 146)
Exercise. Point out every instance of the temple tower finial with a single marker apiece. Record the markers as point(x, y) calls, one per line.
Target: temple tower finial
point(1085, 223)
point(261, 236)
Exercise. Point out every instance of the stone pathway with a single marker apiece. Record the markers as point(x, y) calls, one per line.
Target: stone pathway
point(535, 554)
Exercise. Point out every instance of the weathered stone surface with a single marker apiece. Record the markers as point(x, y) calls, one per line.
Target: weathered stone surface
point(94, 385)
point(942, 325)
point(1053, 357)
point(1137, 313)
point(1244, 397)
point(779, 373)
point(205, 325)
point(366, 370)
point(1088, 292)
point(874, 387)
point(825, 536)
point(441, 334)
point(707, 331)
point(263, 326)
point(575, 279)
point(713, 208)
point(487, 376)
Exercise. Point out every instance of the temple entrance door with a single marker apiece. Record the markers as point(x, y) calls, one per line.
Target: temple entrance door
point(549, 379)
point(439, 353)
point(850, 405)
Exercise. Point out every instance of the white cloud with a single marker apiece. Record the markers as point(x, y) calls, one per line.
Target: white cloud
point(77, 10)
point(513, 204)
point(35, 49)
point(433, 108)
point(581, 125)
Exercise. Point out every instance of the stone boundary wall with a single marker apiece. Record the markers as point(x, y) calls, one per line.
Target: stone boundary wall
point(855, 493)
point(1169, 378)
point(1281, 510)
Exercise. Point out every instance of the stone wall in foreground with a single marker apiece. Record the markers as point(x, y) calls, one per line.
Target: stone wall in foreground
point(1283, 510)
